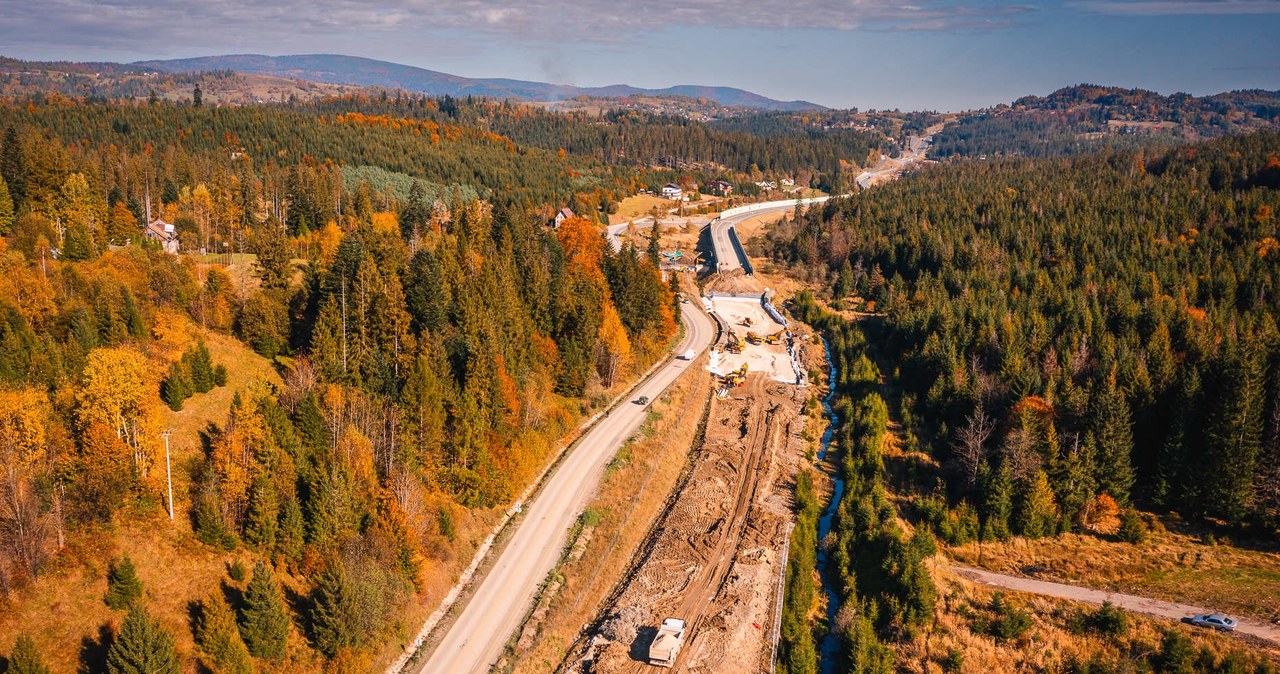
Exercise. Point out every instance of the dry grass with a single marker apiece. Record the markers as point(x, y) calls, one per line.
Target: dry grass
point(63, 610)
point(1170, 566)
point(638, 206)
point(1054, 638)
point(631, 495)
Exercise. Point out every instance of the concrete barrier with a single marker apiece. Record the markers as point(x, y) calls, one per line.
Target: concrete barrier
point(769, 205)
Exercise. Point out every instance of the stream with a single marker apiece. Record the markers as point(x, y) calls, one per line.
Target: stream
point(828, 650)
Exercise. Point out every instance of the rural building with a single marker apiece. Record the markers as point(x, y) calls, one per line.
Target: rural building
point(672, 191)
point(562, 215)
point(162, 233)
point(719, 187)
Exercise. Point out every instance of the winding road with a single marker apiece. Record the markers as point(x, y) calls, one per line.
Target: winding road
point(474, 642)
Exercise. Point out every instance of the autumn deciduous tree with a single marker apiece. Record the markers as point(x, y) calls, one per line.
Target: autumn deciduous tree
point(122, 226)
point(614, 347)
point(118, 393)
point(24, 526)
point(1101, 515)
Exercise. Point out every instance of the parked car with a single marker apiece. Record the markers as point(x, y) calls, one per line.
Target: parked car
point(1215, 621)
point(642, 400)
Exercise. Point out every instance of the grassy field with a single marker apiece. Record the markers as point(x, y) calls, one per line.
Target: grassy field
point(638, 206)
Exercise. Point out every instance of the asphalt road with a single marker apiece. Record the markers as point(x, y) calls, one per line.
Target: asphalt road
point(727, 258)
point(475, 640)
point(1155, 607)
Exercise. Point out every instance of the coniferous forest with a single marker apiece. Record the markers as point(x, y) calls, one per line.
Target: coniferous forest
point(1070, 342)
point(1108, 321)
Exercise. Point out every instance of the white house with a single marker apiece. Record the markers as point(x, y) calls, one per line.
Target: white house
point(672, 191)
point(163, 233)
point(562, 215)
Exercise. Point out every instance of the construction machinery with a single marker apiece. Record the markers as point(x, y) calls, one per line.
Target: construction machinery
point(735, 344)
point(666, 645)
point(737, 377)
point(753, 339)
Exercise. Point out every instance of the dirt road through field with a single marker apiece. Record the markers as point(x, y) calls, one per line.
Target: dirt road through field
point(1155, 607)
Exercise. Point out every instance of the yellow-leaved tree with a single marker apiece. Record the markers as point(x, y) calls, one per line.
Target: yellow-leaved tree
point(24, 413)
point(120, 392)
point(613, 351)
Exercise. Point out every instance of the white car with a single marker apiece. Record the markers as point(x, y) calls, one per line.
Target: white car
point(1215, 621)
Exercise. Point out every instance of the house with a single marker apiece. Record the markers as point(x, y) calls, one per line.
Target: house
point(162, 233)
point(562, 215)
point(766, 185)
point(787, 182)
point(719, 187)
point(672, 191)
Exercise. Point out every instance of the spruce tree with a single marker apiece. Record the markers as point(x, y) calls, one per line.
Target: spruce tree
point(13, 167)
point(331, 621)
point(25, 659)
point(263, 621)
point(123, 586)
point(291, 532)
point(1234, 436)
point(998, 506)
point(6, 209)
point(218, 637)
point(176, 388)
point(1037, 513)
point(1113, 437)
point(142, 646)
point(261, 522)
point(201, 366)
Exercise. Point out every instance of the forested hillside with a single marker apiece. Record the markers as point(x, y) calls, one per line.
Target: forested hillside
point(1036, 348)
point(1106, 324)
point(1085, 118)
point(434, 349)
point(779, 145)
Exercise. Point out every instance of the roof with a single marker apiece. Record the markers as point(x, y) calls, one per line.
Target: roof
point(566, 212)
point(161, 230)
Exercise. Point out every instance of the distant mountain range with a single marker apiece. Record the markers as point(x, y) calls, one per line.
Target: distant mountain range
point(338, 69)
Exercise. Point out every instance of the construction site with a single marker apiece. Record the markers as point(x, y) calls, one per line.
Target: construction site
point(714, 560)
point(755, 339)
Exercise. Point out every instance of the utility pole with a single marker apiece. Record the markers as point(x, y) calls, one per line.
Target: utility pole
point(168, 472)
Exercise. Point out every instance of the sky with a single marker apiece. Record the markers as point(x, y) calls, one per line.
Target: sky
point(884, 54)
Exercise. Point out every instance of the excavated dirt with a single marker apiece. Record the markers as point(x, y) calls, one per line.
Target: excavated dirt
point(715, 557)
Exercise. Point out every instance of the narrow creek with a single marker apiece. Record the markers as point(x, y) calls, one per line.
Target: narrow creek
point(828, 650)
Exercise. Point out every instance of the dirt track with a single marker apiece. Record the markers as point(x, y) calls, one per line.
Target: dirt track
point(713, 559)
point(1155, 607)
